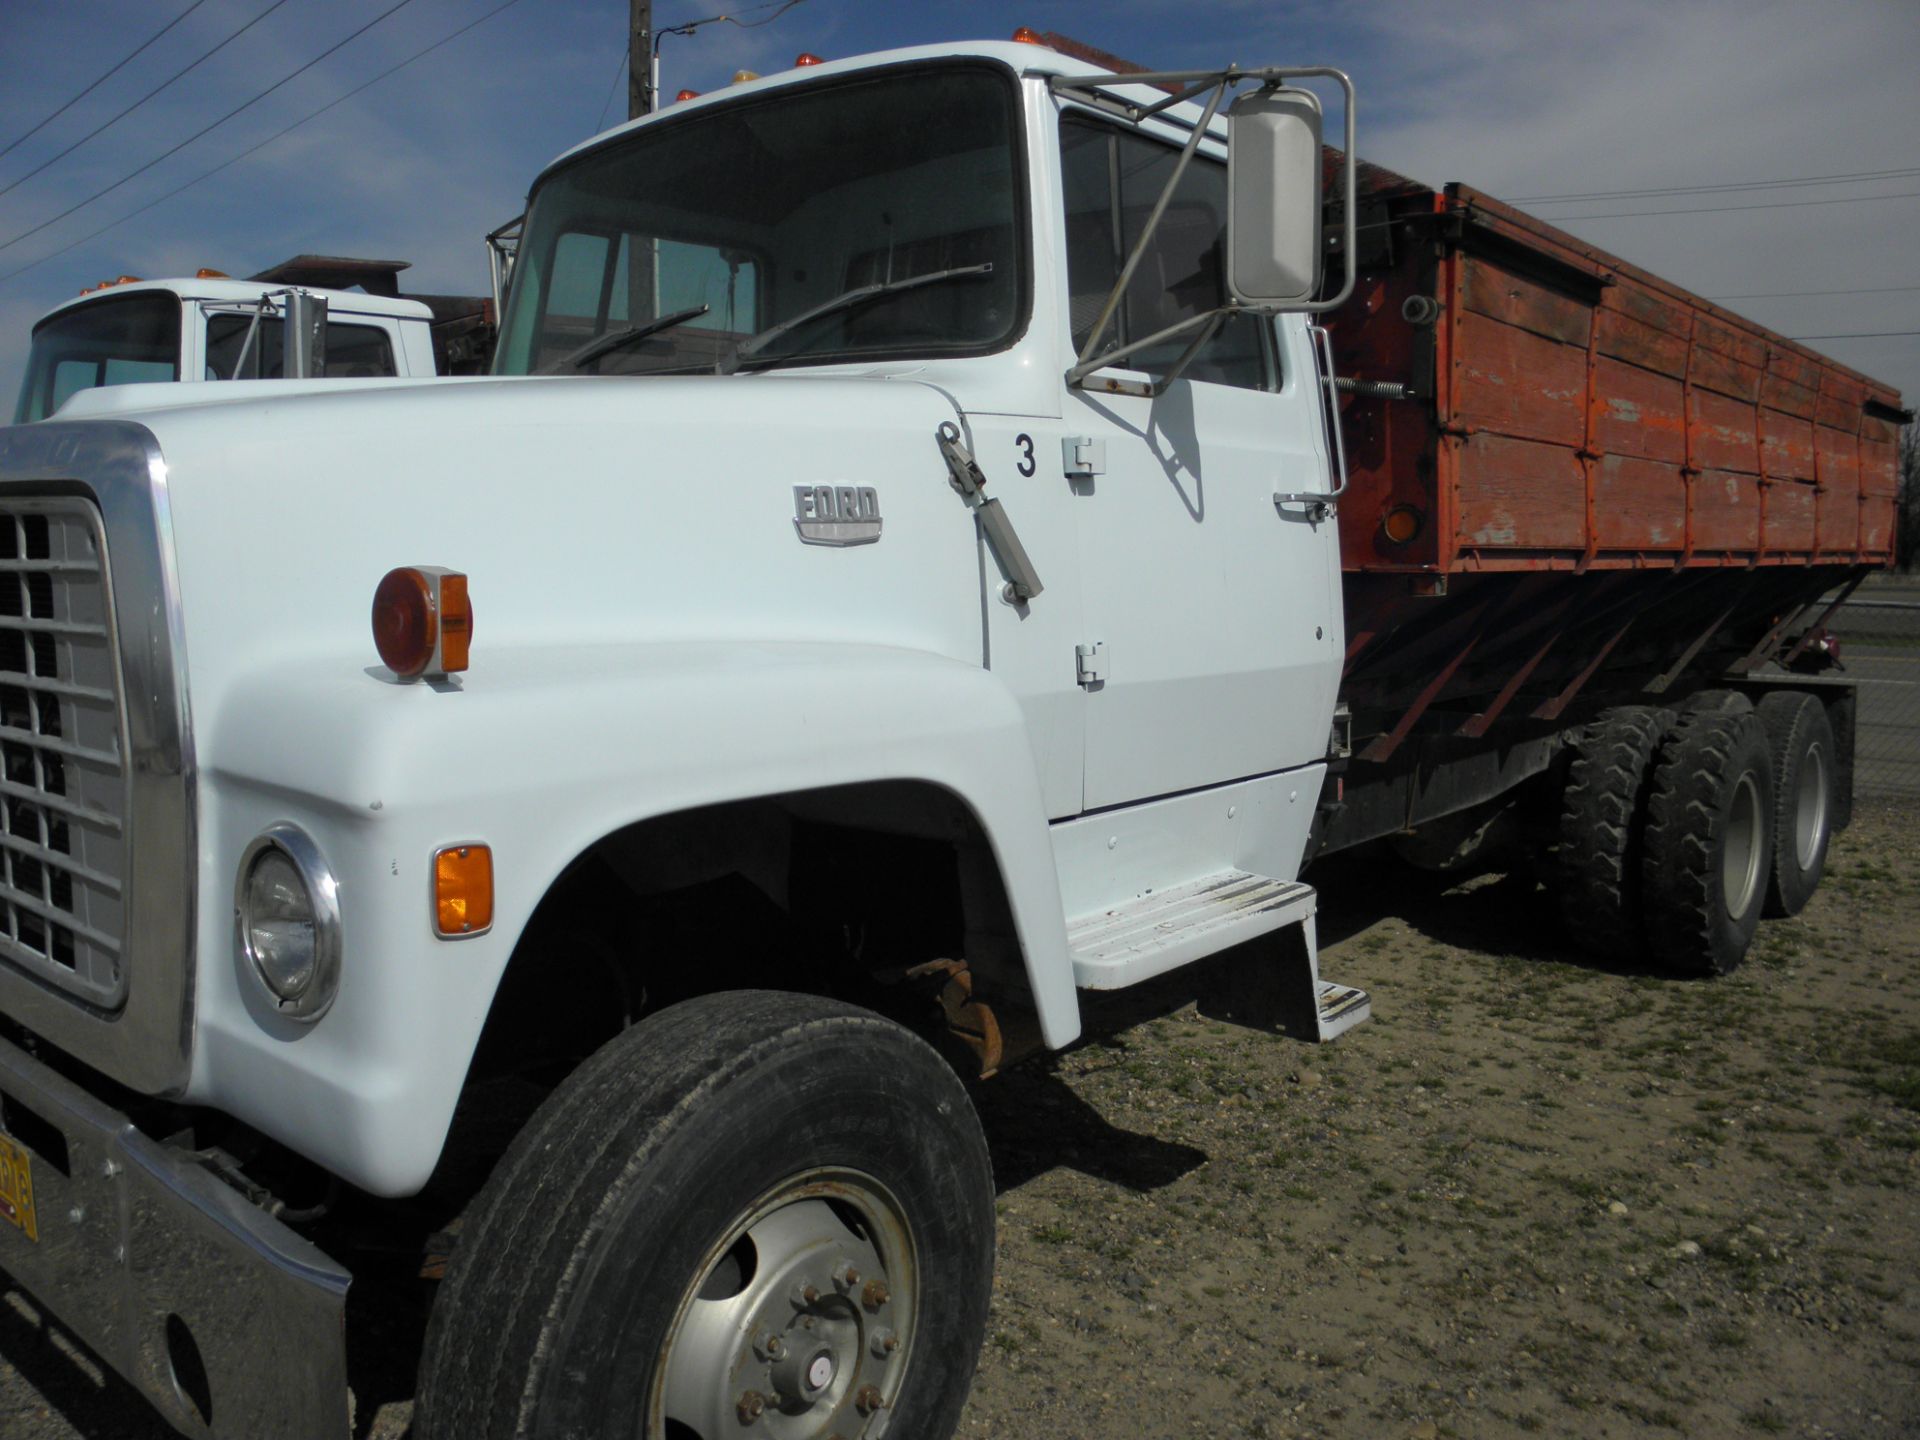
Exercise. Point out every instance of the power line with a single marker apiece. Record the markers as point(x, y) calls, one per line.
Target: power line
point(1714, 209)
point(600, 123)
point(779, 8)
point(1857, 335)
point(1736, 185)
point(253, 149)
point(1796, 294)
point(104, 78)
point(401, 5)
point(143, 99)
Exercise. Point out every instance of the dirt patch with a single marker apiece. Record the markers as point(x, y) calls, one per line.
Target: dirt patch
point(1532, 1196)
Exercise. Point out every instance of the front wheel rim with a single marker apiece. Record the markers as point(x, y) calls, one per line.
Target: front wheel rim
point(799, 1322)
point(1740, 855)
point(1810, 808)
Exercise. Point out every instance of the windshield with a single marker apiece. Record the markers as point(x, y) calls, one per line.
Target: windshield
point(767, 216)
point(111, 342)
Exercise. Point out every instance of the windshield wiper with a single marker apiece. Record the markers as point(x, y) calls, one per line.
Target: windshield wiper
point(847, 300)
point(620, 339)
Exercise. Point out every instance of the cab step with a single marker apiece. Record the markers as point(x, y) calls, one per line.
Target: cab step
point(1163, 930)
point(1340, 1008)
point(1151, 934)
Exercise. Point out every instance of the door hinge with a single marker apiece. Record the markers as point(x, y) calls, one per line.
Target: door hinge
point(1091, 662)
point(1083, 456)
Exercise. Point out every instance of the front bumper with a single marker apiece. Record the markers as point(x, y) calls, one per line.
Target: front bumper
point(229, 1322)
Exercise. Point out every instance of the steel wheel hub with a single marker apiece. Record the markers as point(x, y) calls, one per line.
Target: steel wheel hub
point(800, 1323)
point(1740, 859)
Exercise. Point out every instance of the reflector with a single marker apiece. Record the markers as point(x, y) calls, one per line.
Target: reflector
point(462, 890)
point(1401, 523)
point(456, 622)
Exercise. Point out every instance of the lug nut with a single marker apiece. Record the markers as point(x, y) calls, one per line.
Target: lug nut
point(769, 1347)
point(751, 1406)
point(875, 1295)
point(868, 1400)
point(848, 1277)
point(803, 1296)
point(883, 1344)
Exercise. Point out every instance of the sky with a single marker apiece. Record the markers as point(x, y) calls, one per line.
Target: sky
point(1520, 100)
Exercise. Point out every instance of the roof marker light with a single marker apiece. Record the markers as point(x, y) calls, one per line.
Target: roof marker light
point(686, 95)
point(207, 272)
point(1027, 35)
point(740, 77)
point(805, 58)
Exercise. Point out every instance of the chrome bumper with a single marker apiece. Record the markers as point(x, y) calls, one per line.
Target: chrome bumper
point(231, 1324)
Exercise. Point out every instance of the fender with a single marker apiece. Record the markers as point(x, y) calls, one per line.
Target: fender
point(540, 753)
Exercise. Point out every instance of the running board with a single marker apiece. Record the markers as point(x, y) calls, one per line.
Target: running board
point(1161, 931)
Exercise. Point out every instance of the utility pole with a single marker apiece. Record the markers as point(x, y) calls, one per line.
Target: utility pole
point(640, 96)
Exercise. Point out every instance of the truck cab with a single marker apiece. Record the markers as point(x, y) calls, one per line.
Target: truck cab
point(162, 331)
point(889, 585)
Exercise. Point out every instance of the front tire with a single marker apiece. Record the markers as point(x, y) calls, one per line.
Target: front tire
point(752, 1213)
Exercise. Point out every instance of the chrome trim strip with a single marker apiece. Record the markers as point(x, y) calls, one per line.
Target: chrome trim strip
point(147, 1043)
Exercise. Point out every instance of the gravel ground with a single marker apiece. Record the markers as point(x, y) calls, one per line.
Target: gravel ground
point(1532, 1196)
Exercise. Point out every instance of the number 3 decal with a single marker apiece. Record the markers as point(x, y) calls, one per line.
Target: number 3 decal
point(1026, 466)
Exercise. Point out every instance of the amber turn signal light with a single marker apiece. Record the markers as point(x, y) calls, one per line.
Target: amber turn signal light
point(1401, 524)
point(462, 891)
point(423, 621)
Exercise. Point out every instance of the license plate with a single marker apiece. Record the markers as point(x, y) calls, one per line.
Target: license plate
point(16, 1187)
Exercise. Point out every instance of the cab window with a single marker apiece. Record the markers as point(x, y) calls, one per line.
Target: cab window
point(353, 351)
point(1112, 179)
point(122, 341)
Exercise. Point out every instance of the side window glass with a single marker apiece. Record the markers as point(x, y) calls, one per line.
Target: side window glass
point(1113, 180)
point(353, 351)
point(70, 377)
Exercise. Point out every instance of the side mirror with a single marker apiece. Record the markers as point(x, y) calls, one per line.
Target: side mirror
point(1274, 173)
point(305, 335)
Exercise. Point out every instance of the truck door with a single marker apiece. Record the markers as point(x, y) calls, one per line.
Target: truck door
point(1211, 610)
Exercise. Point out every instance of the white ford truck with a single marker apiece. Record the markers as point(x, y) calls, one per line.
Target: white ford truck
point(141, 332)
point(579, 826)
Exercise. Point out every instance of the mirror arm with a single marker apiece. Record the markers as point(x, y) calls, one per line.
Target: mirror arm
point(503, 245)
point(1146, 234)
point(1207, 321)
point(1087, 89)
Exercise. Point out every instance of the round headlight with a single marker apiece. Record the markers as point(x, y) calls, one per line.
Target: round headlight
point(288, 921)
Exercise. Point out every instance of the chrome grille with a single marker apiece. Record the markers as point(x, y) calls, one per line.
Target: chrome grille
point(63, 784)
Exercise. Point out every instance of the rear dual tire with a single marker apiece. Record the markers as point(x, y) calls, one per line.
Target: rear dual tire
point(1708, 841)
point(1804, 771)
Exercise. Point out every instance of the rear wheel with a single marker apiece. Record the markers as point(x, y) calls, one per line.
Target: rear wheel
point(1803, 769)
point(753, 1213)
point(1602, 807)
point(1708, 841)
